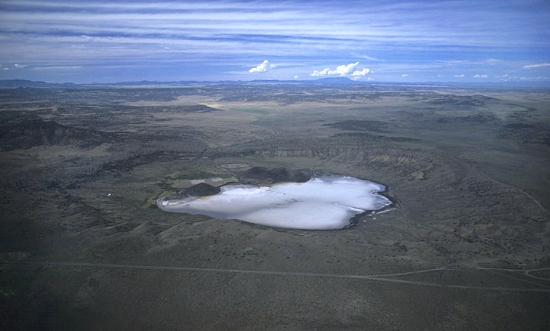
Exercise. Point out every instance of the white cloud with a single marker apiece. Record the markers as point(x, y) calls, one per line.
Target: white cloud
point(480, 76)
point(19, 66)
point(405, 75)
point(360, 73)
point(262, 67)
point(323, 72)
point(538, 65)
point(342, 70)
point(459, 76)
point(207, 32)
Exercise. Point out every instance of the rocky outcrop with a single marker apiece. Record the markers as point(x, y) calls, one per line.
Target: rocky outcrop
point(201, 190)
point(265, 176)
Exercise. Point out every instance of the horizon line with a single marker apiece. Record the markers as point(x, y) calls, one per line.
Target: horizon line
point(13, 83)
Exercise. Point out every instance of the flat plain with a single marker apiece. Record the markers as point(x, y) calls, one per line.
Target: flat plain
point(83, 246)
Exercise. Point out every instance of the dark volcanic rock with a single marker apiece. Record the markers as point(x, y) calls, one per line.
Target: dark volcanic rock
point(259, 175)
point(201, 190)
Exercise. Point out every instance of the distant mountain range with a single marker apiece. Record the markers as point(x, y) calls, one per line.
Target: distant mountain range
point(31, 83)
point(23, 83)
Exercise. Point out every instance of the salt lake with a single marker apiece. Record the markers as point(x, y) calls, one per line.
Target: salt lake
point(322, 203)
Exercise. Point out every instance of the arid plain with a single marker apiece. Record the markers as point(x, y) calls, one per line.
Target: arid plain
point(83, 245)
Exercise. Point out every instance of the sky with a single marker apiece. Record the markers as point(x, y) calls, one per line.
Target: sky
point(460, 41)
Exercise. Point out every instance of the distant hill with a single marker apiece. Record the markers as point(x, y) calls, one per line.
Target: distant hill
point(13, 83)
point(337, 81)
point(143, 83)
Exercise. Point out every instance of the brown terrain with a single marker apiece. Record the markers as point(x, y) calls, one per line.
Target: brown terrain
point(83, 245)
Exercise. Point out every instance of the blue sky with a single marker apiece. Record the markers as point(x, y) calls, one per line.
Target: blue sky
point(381, 40)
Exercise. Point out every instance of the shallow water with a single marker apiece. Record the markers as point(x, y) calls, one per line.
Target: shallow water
point(322, 203)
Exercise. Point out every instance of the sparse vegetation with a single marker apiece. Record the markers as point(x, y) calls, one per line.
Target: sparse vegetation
point(81, 168)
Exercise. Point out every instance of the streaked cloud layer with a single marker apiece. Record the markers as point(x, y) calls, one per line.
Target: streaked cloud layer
point(107, 41)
